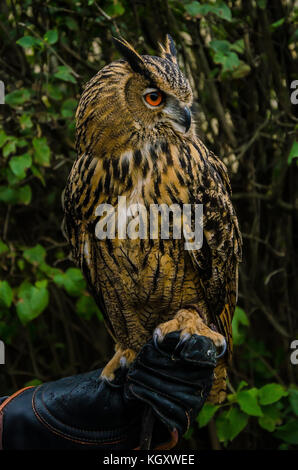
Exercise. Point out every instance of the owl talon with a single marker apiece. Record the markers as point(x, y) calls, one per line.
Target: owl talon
point(224, 348)
point(122, 358)
point(108, 381)
point(157, 337)
point(183, 338)
point(123, 363)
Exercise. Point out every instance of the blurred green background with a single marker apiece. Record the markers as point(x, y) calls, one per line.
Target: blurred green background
point(239, 57)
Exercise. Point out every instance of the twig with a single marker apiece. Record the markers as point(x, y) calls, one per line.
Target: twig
point(264, 242)
point(78, 57)
point(107, 17)
point(5, 228)
point(215, 445)
point(266, 197)
point(276, 271)
point(244, 147)
point(273, 371)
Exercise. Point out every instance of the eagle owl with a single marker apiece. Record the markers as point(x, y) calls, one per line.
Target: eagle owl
point(136, 139)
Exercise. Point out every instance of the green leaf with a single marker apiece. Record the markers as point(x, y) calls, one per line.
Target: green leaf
point(6, 294)
point(32, 302)
point(41, 284)
point(74, 282)
point(7, 194)
point(59, 279)
point(35, 255)
point(220, 46)
point(293, 399)
point(71, 23)
point(9, 148)
point(271, 418)
point(206, 414)
point(238, 46)
point(241, 385)
point(196, 9)
point(25, 121)
point(219, 9)
point(18, 97)
point(20, 164)
point(293, 152)
point(68, 108)
point(3, 247)
point(3, 138)
point(223, 54)
point(239, 321)
point(271, 393)
point(28, 41)
point(277, 24)
point(222, 10)
point(86, 307)
point(42, 154)
point(115, 9)
point(230, 423)
point(24, 195)
point(288, 432)
point(22, 143)
point(54, 92)
point(51, 36)
point(64, 73)
point(36, 172)
point(21, 264)
point(248, 402)
point(229, 61)
point(242, 70)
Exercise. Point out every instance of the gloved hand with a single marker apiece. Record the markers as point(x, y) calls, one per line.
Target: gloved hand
point(84, 411)
point(174, 378)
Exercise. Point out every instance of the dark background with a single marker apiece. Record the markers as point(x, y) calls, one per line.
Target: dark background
point(239, 57)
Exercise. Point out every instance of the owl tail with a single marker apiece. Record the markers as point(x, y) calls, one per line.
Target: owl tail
point(225, 324)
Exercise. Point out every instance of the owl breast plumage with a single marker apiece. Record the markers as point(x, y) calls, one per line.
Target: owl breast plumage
point(149, 154)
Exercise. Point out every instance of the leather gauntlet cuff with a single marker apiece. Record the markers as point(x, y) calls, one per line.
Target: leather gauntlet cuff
point(79, 412)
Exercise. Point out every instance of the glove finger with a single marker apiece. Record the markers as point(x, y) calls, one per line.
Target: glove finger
point(169, 370)
point(197, 350)
point(167, 410)
point(167, 384)
point(181, 395)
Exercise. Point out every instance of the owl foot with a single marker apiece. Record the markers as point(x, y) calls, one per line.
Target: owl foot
point(122, 358)
point(189, 322)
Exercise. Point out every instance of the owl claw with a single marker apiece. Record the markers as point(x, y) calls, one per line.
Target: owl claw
point(183, 338)
point(224, 348)
point(157, 337)
point(123, 362)
point(107, 380)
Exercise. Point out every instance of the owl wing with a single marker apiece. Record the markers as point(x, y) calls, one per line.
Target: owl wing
point(81, 239)
point(217, 260)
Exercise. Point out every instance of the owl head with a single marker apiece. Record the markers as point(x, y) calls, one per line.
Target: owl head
point(136, 99)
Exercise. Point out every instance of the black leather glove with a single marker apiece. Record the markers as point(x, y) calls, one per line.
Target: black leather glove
point(174, 378)
point(84, 411)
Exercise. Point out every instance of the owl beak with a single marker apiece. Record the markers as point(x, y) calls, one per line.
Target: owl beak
point(186, 118)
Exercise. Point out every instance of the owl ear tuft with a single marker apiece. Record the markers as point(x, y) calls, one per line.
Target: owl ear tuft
point(168, 51)
point(135, 60)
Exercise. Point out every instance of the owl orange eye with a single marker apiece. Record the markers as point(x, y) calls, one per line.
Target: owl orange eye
point(154, 98)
